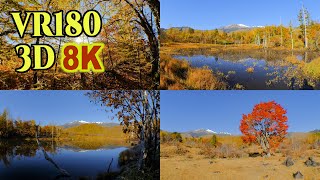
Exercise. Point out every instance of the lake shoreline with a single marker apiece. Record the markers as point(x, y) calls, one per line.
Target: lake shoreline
point(282, 68)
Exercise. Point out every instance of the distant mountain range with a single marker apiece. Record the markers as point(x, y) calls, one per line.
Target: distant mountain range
point(78, 123)
point(316, 131)
point(204, 132)
point(238, 27)
point(227, 29)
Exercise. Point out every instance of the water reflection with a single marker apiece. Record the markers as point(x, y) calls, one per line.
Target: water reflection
point(21, 159)
point(258, 69)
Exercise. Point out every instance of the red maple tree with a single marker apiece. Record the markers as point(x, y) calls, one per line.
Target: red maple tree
point(266, 125)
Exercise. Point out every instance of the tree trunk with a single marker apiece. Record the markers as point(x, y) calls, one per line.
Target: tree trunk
point(62, 171)
point(305, 27)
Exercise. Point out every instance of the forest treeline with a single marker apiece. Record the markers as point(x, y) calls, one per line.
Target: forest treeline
point(16, 128)
point(306, 35)
point(130, 31)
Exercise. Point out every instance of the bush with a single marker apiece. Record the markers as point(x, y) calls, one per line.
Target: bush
point(166, 137)
point(176, 137)
point(223, 151)
point(214, 140)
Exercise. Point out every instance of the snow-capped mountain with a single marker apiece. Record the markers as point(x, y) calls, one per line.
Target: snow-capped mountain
point(205, 132)
point(237, 27)
point(85, 122)
point(78, 123)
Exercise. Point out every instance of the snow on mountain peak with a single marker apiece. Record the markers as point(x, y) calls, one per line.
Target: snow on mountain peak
point(258, 26)
point(84, 122)
point(242, 25)
point(210, 131)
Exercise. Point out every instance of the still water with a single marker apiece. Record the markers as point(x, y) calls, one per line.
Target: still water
point(269, 69)
point(25, 160)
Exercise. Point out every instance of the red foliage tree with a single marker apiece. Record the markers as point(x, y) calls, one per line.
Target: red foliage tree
point(266, 125)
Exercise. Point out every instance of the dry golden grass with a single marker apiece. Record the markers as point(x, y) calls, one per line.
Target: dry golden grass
point(250, 70)
point(196, 166)
point(178, 74)
point(230, 140)
point(313, 68)
point(169, 48)
point(310, 69)
point(203, 78)
point(195, 159)
point(293, 60)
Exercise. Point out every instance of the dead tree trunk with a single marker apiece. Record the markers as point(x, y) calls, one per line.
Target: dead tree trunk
point(62, 171)
point(305, 27)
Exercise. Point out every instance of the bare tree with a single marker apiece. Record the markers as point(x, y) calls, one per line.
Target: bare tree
point(139, 113)
point(304, 18)
point(291, 35)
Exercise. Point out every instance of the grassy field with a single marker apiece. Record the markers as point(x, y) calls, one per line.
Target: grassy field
point(196, 159)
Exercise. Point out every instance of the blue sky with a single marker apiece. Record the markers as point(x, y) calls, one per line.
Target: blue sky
point(211, 14)
point(222, 111)
point(56, 107)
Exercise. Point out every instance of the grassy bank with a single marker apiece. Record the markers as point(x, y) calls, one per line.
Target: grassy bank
point(177, 74)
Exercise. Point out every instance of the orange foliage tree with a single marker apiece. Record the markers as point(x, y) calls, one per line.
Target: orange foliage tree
point(266, 125)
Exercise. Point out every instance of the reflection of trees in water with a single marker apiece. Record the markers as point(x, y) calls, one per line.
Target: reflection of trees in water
point(283, 72)
point(238, 54)
point(10, 149)
point(6, 153)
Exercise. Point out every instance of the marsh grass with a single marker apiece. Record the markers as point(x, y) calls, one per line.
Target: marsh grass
point(177, 74)
point(250, 70)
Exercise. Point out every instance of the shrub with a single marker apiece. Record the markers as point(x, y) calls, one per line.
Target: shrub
point(176, 137)
point(223, 151)
point(166, 137)
point(178, 74)
point(214, 140)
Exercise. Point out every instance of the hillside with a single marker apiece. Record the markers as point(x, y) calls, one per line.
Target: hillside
point(237, 28)
point(78, 123)
point(96, 130)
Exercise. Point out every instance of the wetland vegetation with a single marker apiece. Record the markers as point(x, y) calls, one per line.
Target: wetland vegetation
point(243, 57)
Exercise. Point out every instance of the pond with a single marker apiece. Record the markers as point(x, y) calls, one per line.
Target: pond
point(26, 160)
point(255, 70)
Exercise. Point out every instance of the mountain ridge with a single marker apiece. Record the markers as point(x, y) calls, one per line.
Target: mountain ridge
point(205, 132)
point(227, 28)
point(80, 122)
point(237, 27)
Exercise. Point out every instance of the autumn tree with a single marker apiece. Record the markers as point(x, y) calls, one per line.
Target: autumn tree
point(146, 17)
point(214, 140)
point(6, 125)
point(9, 34)
point(266, 125)
point(139, 114)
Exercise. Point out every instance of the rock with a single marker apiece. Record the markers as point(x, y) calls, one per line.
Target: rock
point(298, 175)
point(255, 154)
point(289, 162)
point(311, 162)
point(308, 163)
